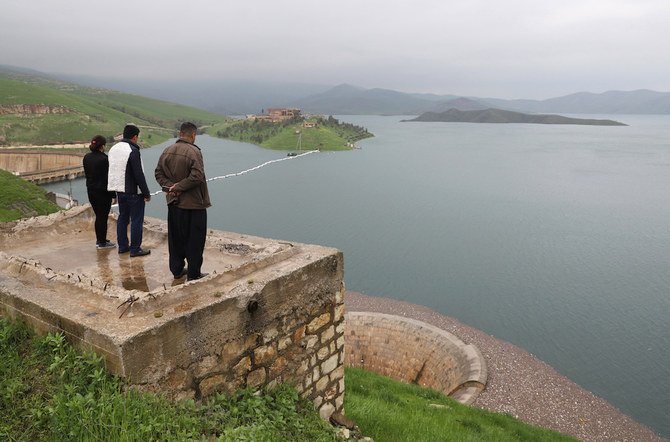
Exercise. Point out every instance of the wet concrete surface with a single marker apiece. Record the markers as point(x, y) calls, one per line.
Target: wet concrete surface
point(75, 252)
point(68, 247)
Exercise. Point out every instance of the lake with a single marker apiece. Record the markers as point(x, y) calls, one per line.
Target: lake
point(553, 237)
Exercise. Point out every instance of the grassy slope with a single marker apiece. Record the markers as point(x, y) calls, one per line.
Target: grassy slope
point(20, 199)
point(49, 391)
point(97, 111)
point(389, 410)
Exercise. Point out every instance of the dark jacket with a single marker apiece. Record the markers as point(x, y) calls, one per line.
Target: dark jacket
point(182, 164)
point(96, 167)
point(126, 172)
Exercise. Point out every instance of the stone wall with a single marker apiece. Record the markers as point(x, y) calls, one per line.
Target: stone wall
point(413, 351)
point(268, 312)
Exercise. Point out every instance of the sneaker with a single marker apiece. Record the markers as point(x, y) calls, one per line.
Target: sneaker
point(201, 275)
point(106, 245)
point(121, 252)
point(140, 252)
point(181, 274)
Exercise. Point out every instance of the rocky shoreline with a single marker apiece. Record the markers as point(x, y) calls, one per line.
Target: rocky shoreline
point(521, 385)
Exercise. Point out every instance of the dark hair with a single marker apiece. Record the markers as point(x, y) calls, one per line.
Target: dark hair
point(188, 128)
point(96, 142)
point(130, 131)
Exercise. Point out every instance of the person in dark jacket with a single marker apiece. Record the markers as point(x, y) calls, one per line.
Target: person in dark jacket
point(181, 173)
point(96, 167)
point(126, 178)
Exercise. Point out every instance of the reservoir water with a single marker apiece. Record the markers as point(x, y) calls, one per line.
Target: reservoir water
point(553, 237)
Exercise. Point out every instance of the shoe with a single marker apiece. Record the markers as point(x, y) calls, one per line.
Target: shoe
point(121, 252)
point(140, 252)
point(201, 275)
point(106, 245)
point(181, 274)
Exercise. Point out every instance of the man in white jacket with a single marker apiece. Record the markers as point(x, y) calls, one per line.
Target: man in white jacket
point(126, 178)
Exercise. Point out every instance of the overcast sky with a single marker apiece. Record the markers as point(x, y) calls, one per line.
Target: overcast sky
point(492, 48)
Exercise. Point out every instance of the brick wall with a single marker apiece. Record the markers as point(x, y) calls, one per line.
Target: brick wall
point(413, 351)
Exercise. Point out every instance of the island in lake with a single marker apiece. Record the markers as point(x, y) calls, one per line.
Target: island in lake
point(505, 116)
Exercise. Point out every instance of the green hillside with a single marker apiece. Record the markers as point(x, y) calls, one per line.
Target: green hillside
point(327, 134)
point(89, 111)
point(21, 199)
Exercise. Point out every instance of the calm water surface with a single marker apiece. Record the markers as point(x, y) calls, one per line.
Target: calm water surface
point(554, 238)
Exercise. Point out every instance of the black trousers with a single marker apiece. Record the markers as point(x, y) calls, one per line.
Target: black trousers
point(101, 201)
point(187, 231)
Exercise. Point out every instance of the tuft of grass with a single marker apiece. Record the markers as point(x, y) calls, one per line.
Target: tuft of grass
point(389, 410)
point(50, 391)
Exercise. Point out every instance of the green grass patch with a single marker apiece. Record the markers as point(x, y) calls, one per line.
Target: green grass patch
point(50, 391)
point(389, 410)
point(20, 198)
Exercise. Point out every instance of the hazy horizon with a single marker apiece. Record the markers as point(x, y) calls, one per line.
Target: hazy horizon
point(515, 49)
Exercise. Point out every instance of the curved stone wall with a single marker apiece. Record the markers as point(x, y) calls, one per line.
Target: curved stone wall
point(413, 351)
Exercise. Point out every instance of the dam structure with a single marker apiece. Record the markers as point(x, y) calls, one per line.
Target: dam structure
point(42, 166)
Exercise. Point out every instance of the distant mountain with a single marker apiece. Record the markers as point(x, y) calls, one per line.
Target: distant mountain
point(346, 99)
point(612, 102)
point(226, 97)
point(351, 100)
point(238, 97)
point(504, 116)
point(460, 103)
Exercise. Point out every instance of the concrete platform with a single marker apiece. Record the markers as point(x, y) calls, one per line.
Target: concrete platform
point(269, 310)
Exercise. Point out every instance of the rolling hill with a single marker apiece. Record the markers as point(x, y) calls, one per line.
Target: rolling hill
point(36, 110)
point(350, 100)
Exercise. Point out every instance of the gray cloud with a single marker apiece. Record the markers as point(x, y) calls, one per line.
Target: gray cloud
point(514, 48)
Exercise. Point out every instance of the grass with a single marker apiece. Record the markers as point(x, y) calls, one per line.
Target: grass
point(20, 198)
point(50, 391)
point(389, 410)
